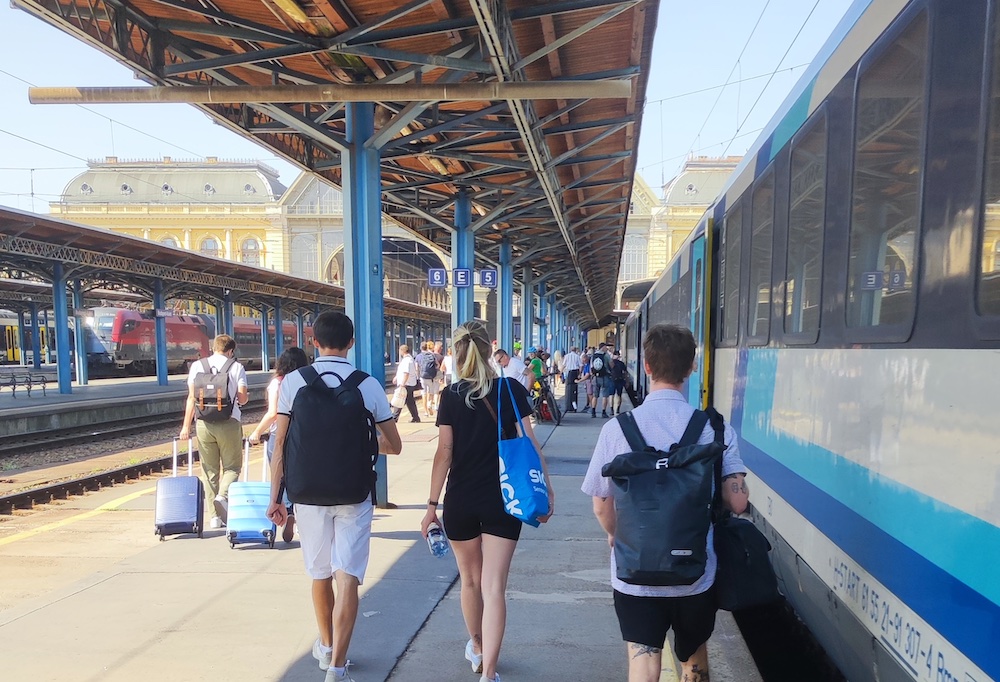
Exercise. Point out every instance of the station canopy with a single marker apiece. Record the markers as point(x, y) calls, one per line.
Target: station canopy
point(553, 176)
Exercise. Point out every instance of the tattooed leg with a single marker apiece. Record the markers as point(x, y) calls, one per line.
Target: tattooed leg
point(695, 669)
point(643, 662)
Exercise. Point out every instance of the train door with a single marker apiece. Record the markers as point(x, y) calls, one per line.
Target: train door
point(696, 383)
point(12, 350)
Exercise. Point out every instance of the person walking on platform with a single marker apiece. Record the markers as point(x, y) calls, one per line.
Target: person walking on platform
point(332, 420)
point(619, 376)
point(571, 368)
point(604, 389)
point(482, 534)
point(406, 375)
point(511, 366)
point(289, 361)
point(217, 387)
point(645, 613)
point(429, 366)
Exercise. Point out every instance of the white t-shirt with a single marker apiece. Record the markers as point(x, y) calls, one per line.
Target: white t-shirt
point(449, 368)
point(571, 361)
point(516, 368)
point(237, 378)
point(334, 370)
point(406, 366)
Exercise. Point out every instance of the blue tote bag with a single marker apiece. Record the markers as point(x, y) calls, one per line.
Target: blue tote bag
point(522, 480)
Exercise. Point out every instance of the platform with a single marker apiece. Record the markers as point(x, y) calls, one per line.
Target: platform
point(89, 592)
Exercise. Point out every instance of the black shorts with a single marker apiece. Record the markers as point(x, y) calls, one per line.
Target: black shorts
point(468, 515)
point(646, 620)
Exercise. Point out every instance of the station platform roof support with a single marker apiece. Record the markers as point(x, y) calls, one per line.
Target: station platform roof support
point(441, 97)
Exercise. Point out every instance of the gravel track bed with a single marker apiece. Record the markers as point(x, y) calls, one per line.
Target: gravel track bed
point(99, 448)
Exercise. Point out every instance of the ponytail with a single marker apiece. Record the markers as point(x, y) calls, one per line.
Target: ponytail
point(472, 350)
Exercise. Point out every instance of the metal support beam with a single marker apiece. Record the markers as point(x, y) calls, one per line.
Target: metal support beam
point(22, 356)
point(368, 92)
point(227, 315)
point(300, 331)
point(160, 325)
point(265, 346)
point(80, 326)
point(279, 330)
point(36, 336)
point(48, 341)
point(505, 299)
point(463, 255)
point(363, 296)
point(543, 310)
point(64, 372)
point(527, 308)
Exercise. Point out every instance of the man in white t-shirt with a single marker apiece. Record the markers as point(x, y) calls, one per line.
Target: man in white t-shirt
point(407, 375)
point(571, 366)
point(335, 539)
point(513, 366)
point(219, 441)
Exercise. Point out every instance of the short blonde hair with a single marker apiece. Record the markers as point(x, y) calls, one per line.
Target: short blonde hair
point(223, 343)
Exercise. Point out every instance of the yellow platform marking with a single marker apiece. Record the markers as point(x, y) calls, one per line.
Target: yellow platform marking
point(107, 506)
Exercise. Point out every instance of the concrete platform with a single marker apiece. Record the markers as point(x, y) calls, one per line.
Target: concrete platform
point(89, 594)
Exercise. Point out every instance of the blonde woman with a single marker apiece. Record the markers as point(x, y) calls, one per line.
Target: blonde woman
point(482, 534)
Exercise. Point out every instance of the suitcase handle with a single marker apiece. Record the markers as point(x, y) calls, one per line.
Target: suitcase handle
point(190, 457)
point(245, 472)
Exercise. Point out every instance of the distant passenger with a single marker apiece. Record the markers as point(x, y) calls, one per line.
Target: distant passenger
point(335, 538)
point(511, 366)
point(482, 533)
point(448, 368)
point(289, 361)
point(439, 357)
point(216, 402)
point(407, 375)
point(619, 376)
point(571, 367)
point(604, 389)
point(646, 613)
point(429, 367)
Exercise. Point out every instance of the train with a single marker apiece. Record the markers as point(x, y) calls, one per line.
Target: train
point(844, 289)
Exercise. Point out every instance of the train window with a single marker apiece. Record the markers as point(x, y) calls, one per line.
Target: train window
point(761, 246)
point(732, 235)
point(806, 215)
point(988, 298)
point(888, 174)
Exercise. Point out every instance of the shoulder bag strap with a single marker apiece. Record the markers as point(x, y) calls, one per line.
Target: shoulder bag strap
point(718, 425)
point(632, 433)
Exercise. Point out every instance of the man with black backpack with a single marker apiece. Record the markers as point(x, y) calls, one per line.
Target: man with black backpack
point(428, 364)
point(333, 420)
point(217, 387)
point(604, 387)
point(652, 479)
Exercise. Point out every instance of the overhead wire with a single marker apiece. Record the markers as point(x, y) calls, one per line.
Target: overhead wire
point(764, 89)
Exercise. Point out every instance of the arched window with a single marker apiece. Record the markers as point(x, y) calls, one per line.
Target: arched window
point(250, 252)
point(170, 241)
point(634, 257)
point(210, 247)
point(303, 257)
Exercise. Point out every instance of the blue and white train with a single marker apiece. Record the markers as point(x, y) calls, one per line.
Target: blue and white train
point(845, 292)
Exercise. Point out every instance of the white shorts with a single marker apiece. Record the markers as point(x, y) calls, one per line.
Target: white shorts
point(432, 386)
point(335, 538)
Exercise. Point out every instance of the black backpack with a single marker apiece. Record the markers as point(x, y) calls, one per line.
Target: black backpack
point(618, 370)
point(744, 577)
point(212, 402)
point(330, 449)
point(599, 365)
point(428, 365)
point(663, 502)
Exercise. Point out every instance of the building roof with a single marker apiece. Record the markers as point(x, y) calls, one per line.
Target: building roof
point(700, 181)
point(166, 181)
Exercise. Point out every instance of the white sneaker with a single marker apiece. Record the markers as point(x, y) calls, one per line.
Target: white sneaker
point(496, 678)
point(324, 657)
point(216, 522)
point(332, 676)
point(222, 507)
point(475, 659)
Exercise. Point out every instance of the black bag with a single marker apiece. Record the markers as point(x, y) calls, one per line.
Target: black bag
point(599, 365)
point(330, 449)
point(428, 365)
point(618, 370)
point(663, 501)
point(212, 402)
point(744, 577)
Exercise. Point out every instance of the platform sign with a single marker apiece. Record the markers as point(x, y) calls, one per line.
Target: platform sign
point(871, 281)
point(488, 278)
point(160, 312)
point(437, 277)
point(462, 277)
point(897, 279)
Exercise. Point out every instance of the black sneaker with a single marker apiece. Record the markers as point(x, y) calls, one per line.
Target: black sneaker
point(593, 414)
point(604, 413)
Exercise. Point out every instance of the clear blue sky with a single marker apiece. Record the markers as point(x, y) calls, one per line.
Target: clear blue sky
point(696, 47)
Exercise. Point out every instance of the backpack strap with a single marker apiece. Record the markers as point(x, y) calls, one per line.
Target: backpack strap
point(718, 425)
point(309, 374)
point(206, 368)
point(632, 433)
point(354, 380)
point(227, 366)
point(694, 429)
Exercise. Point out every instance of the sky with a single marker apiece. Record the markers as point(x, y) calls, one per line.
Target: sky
point(756, 48)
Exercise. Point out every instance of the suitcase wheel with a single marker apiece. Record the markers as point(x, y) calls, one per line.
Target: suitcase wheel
point(269, 536)
point(232, 545)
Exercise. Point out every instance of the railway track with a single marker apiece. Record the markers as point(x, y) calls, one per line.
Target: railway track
point(61, 490)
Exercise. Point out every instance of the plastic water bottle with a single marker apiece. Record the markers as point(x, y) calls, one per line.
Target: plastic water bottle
point(436, 541)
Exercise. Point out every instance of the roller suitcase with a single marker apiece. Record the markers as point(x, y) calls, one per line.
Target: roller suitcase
point(248, 504)
point(180, 501)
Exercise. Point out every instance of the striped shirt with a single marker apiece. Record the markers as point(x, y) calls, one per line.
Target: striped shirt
point(662, 419)
point(571, 361)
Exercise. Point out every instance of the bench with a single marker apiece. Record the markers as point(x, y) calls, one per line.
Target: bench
point(26, 381)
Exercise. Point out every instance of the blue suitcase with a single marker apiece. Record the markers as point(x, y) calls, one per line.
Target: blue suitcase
point(180, 502)
point(248, 504)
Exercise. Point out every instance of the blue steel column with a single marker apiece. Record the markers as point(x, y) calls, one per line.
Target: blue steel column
point(505, 301)
point(527, 308)
point(21, 355)
point(161, 333)
point(316, 311)
point(220, 316)
point(543, 310)
point(363, 295)
point(463, 255)
point(48, 341)
point(36, 338)
point(265, 350)
point(227, 315)
point(64, 372)
point(82, 378)
point(279, 331)
point(300, 330)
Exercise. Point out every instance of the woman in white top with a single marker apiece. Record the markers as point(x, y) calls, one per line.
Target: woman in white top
point(448, 367)
point(289, 361)
point(406, 376)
